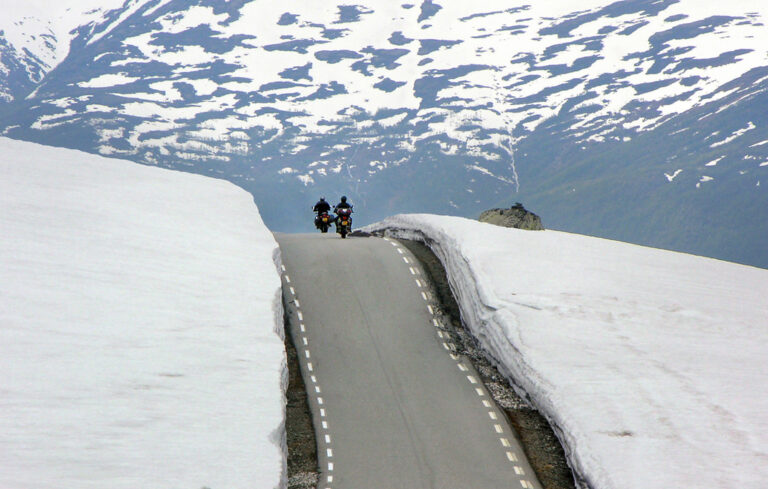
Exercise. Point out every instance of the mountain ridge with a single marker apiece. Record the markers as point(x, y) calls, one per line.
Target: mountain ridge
point(434, 107)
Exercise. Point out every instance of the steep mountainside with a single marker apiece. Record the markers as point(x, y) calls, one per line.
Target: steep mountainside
point(639, 120)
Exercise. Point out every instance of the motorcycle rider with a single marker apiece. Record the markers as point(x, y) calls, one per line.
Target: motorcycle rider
point(320, 207)
point(343, 205)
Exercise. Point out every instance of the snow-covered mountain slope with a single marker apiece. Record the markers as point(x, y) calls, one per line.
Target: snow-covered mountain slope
point(650, 363)
point(35, 37)
point(435, 106)
point(140, 327)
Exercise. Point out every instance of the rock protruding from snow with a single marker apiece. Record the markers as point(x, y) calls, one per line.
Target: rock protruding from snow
point(516, 216)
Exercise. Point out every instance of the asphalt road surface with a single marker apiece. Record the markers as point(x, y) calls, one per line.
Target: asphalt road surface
point(392, 406)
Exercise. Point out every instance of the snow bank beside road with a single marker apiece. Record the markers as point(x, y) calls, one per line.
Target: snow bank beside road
point(140, 328)
point(652, 363)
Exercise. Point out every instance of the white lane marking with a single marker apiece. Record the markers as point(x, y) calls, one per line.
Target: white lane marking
point(519, 470)
point(418, 282)
point(309, 366)
point(445, 345)
point(325, 425)
point(283, 267)
point(330, 466)
point(486, 403)
point(306, 353)
point(287, 278)
point(328, 438)
point(424, 296)
point(429, 308)
point(462, 367)
point(304, 339)
point(330, 479)
point(440, 334)
point(400, 250)
point(320, 400)
point(479, 392)
point(493, 415)
point(505, 443)
point(498, 428)
point(434, 321)
point(322, 412)
point(406, 260)
point(454, 356)
point(329, 452)
point(303, 329)
point(453, 347)
point(301, 316)
point(413, 272)
point(293, 291)
point(471, 379)
point(512, 457)
point(298, 304)
point(317, 389)
point(314, 379)
point(526, 484)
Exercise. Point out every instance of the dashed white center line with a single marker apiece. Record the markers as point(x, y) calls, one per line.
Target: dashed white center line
point(498, 428)
point(526, 484)
point(429, 308)
point(418, 282)
point(330, 466)
point(322, 412)
point(317, 389)
point(462, 367)
point(328, 438)
point(493, 415)
point(304, 340)
point(306, 353)
point(512, 457)
point(424, 296)
point(479, 392)
point(400, 250)
point(329, 452)
point(298, 304)
point(314, 379)
point(505, 443)
point(300, 315)
point(413, 272)
point(486, 403)
point(445, 345)
point(309, 366)
point(406, 260)
point(302, 327)
point(287, 279)
point(519, 470)
point(320, 400)
point(434, 321)
point(293, 291)
point(471, 379)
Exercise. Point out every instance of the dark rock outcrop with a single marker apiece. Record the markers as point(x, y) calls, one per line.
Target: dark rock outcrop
point(515, 217)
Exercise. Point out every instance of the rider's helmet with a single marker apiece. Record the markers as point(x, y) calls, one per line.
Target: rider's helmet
point(322, 199)
point(343, 198)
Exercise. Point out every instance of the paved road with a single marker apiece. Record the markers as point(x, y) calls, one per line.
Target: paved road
point(392, 407)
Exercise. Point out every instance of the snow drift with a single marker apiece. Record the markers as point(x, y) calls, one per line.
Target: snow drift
point(140, 328)
point(650, 364)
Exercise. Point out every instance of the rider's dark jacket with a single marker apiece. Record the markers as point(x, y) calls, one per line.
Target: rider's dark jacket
point(342, 205)
point(321, 206)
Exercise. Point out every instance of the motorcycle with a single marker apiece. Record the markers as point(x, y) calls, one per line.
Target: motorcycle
point(343, 221)
point(323, 221)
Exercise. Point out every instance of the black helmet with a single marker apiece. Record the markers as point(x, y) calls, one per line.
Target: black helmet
point(343, 198)
point(322, 199)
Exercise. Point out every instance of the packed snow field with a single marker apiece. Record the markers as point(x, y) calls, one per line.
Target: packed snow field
point(650, 363)
point(140, 328)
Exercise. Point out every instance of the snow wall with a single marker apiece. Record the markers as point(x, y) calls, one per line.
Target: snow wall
point(649, 364)
point(141, 328)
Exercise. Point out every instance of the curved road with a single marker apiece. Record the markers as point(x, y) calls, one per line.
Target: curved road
point(392, 406)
